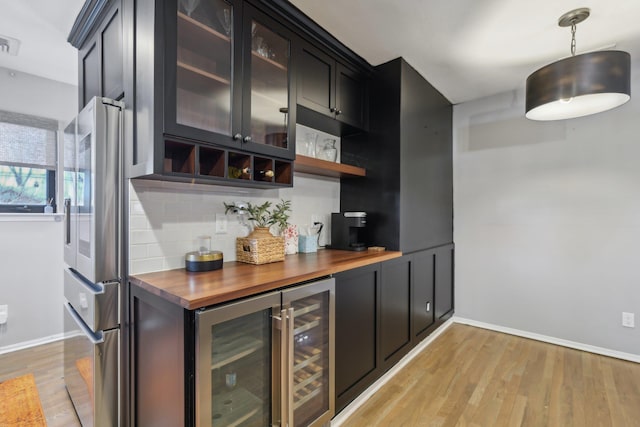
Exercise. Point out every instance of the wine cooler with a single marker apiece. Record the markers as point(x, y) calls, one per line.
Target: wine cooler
point(268, 360)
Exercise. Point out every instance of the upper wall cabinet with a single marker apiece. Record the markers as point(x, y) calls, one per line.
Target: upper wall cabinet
point(100, 60)
point(228, 77)
point(330, 88)
point(215, 94)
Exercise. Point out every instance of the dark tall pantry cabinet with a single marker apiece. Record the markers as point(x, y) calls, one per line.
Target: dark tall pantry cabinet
point(408, 197)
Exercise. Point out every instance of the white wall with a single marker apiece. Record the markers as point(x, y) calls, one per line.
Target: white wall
point(547, 220)
point(166, 218)
point(29, 94)
point(31, 251)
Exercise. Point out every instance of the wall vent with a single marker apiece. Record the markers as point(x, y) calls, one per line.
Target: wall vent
point(9, 45)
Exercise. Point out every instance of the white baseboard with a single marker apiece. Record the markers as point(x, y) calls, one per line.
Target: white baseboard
point(28, 344)
point(552, 340)
point(362, 398)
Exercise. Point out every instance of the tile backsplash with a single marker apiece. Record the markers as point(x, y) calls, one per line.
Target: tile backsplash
point(166, 218)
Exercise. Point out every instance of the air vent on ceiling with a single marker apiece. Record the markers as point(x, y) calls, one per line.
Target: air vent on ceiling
point(9, 45)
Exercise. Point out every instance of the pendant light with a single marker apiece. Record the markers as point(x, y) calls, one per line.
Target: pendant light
point(580, 84)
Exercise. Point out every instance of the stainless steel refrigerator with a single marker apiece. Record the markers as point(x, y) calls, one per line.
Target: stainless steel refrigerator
point(93, 188)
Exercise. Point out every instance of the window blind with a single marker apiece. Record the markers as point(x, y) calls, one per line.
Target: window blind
point(27, 141)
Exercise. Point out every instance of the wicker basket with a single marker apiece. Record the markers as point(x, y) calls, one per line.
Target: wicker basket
point(260, 247)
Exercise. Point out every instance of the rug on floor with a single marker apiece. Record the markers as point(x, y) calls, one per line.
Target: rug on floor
point(20, 403)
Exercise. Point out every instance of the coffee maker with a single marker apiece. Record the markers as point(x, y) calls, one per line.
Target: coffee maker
point(348, 231)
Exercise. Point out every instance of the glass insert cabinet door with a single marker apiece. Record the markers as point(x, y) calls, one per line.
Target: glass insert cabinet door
point(204, 70)
point(270, 54)
point(234, 357)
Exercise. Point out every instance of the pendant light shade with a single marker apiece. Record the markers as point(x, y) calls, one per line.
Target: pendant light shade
point(580, 84)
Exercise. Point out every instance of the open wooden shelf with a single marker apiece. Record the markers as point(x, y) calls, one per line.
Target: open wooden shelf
point(314, 166)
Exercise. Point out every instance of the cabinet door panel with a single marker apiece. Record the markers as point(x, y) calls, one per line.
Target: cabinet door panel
point(112, 58)
point(268, 87)
point(357, 295)
point(199, 62)
point(423, 283)
point(395, 308)
point(90, 64)
point(444, 280)
point(316, 80)
point(350, 97)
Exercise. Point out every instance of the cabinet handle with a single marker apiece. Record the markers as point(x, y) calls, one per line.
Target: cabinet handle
point(237, 137)
point(428, 306)
point(338, 112)
point(246, 139)
point(332, 109)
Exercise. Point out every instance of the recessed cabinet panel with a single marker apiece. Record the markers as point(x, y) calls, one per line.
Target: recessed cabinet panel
point(112, 79)
point(204, 65)
point(316, 80)
point(395, 309)
point(350, 97)
point(444, 280)
point(423, 280)
point(90, 74)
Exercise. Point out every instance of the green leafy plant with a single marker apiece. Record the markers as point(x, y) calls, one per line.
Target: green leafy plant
point(262, 215)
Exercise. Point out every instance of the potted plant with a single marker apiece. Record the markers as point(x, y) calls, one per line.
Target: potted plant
point(260, 246)
point(263, 216)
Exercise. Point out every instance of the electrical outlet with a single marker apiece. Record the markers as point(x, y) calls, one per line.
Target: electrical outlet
point(628, 320)
point(221, 223)
point(4, 314)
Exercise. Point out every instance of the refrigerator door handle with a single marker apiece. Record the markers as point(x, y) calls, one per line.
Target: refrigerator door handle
point(67, 221)
point(95, 337)
point(290, 363)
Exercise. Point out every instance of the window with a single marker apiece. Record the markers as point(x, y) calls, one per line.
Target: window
point(28, 153)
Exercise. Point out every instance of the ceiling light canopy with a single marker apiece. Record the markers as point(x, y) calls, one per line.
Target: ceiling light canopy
point(581, 84)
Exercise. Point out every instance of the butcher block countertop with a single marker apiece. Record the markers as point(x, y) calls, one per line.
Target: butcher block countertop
point(237, 280)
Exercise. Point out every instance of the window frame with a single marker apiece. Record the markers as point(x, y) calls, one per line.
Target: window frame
point(24, 119)
point(51, 194)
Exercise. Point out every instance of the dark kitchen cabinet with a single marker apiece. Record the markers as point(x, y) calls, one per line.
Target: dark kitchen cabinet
point(408, 190)
point(101, 56)
point(432, 289)
point(395, 310)
point(215, 94)
point(357, 307)
point(422, 303)
point(330, 88)
point(444, 281)
point(229, 75)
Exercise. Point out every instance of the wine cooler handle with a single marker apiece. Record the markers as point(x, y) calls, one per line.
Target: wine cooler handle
point(284, 370)
point(290, 340)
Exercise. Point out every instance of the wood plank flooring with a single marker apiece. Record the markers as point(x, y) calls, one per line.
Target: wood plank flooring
point(474, 377)
point(45, 362)
point(466, 377)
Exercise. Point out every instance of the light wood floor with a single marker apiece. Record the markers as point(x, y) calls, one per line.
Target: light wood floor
point(474, 377)
point(45, 362)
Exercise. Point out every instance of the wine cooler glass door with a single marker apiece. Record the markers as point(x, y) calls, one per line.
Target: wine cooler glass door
point(234, 362)
point(311, 370)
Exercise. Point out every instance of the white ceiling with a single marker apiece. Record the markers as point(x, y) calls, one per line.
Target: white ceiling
point(466, 48)
point(473, 48)
point(42, 26)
